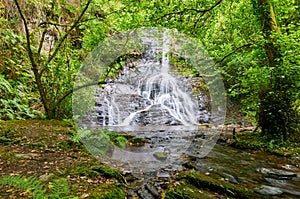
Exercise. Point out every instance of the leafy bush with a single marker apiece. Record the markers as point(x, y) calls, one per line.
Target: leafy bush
point(12, 104)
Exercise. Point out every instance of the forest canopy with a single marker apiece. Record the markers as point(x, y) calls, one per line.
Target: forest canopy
point(255, 45)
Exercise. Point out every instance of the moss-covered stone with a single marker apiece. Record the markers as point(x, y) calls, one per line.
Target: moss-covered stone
point(108, 191)
point(161, 155)
point(108, 172)
point(136, 142)
point(205, 182)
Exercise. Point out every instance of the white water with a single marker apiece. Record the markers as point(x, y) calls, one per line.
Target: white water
point(149, 91)
point(163, 89)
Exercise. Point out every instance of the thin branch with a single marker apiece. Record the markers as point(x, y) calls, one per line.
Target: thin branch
point(27, 33)
point(34, 65)
point(52, 23)
point(66, 94)
point(61, 41)
point(231, 53)
point(193, 10)
point(42, 42)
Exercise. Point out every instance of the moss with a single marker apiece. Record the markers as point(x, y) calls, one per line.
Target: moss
point(84, 169)
point(108, 191)
point(137, 142)
point(92, 170)
point(205, 182)
point(7, 156)
point(108, 172)
point(183, 190)
point(161, 155)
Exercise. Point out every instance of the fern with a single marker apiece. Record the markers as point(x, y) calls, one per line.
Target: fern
point(58, 188)
point(29, 184)
point(5, 86)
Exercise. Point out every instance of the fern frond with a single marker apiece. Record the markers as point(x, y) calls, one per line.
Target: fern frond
point(5, 85)
point(59, 188)
point(30, 184)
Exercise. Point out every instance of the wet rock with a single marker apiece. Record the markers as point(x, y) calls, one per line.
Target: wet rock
point(163, 175)
point(229, 178)
point(277, 173)
point(189, 165)
point(156, 115)
point(152, 190)
point(268, 190)
point(276, 181)
point(161, 155)
point(143, 193)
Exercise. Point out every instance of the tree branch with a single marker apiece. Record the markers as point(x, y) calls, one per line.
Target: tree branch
point(231, 53)
point(61, 41)
point(193, 10)
point(66, 94)
point(27, 34)
point(34, 65)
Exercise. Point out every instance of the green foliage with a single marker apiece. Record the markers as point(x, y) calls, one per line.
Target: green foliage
point(8, 139)
point(257, 141)
point(103, 136)
point(108, 191)
point(12, 103)
point(36, 189)
point(230, 31)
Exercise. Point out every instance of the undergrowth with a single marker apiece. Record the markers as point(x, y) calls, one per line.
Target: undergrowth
point(57, 188)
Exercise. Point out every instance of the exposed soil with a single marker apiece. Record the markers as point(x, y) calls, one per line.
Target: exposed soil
point(44, 148)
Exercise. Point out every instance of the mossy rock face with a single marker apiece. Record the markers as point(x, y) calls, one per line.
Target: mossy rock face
point(136, 142)
point(183, 190)
point(205, 182)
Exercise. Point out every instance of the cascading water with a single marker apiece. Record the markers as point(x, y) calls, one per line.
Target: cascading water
point(149, 95)
point(150, 101)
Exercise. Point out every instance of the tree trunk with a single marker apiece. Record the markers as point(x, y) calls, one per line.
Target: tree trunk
point(275, 110)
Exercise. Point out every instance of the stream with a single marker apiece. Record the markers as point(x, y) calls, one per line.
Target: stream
point(160, 107)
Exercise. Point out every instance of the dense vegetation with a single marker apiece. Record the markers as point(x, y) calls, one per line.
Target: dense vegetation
point(255, 45)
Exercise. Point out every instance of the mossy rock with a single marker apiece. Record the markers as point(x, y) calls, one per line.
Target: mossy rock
point(108, 191)
point(161, 155)
point(84, 169)
point(183, 190)
point(136, 142)
point(205, 182)
point(108, 172)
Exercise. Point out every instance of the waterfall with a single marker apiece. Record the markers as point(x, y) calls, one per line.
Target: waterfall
point(149, 95)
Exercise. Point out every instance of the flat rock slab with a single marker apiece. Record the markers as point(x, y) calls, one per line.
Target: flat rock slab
point(276, 172)
point(26, 155)
point(268, 190)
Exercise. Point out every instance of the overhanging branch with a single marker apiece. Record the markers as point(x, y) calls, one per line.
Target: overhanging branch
point(231, 53)
point(66, 94)
point(61, 41)
point(203, 11)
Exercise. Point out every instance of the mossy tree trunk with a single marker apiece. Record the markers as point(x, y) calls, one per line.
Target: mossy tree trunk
point(275, 115)
point(40, 63)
